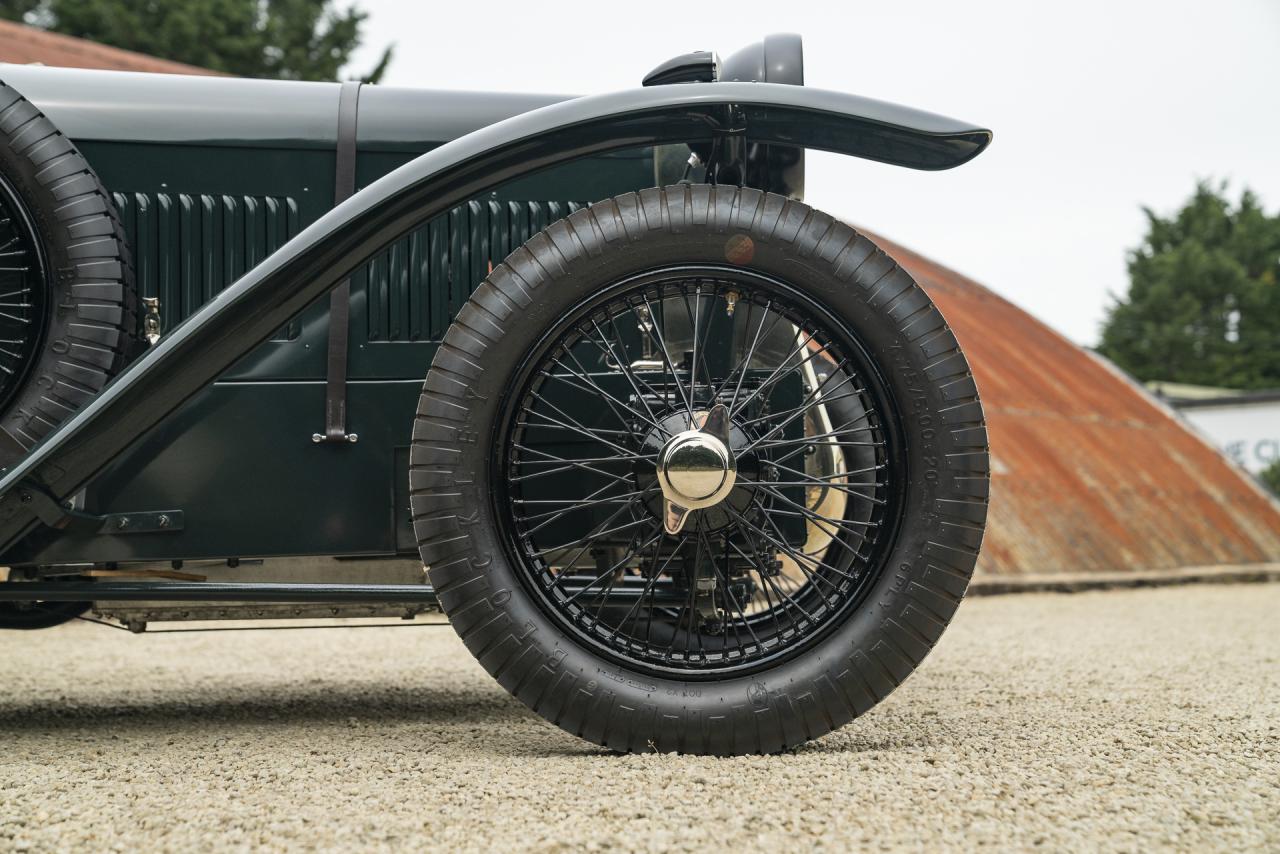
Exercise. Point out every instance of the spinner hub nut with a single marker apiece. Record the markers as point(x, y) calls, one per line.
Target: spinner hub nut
point(696, 469)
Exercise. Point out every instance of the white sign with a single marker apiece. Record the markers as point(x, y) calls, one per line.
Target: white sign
point(1249, 433)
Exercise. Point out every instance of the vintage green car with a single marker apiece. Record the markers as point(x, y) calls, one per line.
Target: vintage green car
point(694, 467)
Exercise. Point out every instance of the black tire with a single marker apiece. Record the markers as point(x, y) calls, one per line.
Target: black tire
point(486, 592)
point(39, 615)
point(84, 314)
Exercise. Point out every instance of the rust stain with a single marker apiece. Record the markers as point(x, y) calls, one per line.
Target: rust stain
point(1089, 474)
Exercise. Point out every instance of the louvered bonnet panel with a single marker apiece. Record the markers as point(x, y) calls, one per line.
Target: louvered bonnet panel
point(188, 247)
point(414, 289)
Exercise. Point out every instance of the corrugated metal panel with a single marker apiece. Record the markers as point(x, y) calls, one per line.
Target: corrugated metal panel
point(415, 288)
point(1090, 474)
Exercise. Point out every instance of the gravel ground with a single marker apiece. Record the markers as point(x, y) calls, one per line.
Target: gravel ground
point(1122, 720)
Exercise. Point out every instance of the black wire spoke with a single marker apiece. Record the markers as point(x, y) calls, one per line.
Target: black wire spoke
point(835, 540)
point(779, 373)
point(745, 363)
point(771, 610)
point(695, 322)
point(24, 303)
point(566, 570)
point(563, 464)
point(766, 487)
point(595, 499)
point(647, 590)
point(596, 431)
point(612, 402)
point(846, 488)
point(611, 571)
point(599, 531)
point(802, 559)
point(823, 478)
point(648, 418)
point(723, 583)
point(805, 407)
point(623, 364)
point(821, 440)
point(768, 579)
point(692, 608)
point(652, 330)
point(582, 431)
point(813, 398)
point(802, 446)
point(746, 324)
point(550, 459)
point(780, 544)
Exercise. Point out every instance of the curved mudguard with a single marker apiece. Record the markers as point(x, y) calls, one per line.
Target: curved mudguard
point(324, 254)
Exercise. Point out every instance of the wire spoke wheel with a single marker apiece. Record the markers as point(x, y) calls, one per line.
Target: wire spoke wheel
point(23, 304)
point(698, 471)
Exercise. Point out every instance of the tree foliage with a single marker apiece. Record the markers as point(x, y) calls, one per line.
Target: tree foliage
point(1204, 296)
point(286, 39)
point(1270, 477)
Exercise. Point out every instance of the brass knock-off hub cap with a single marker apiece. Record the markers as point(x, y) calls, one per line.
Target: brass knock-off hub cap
point(696, 469)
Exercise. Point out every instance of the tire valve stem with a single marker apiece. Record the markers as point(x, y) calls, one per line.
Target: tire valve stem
point(730, 302)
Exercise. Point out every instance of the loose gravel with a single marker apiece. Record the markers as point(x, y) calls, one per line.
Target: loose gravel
point(1116, 721)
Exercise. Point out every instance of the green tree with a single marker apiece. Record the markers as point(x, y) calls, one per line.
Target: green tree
point(1203, 305)
point(285, 39)
point(1270, 477)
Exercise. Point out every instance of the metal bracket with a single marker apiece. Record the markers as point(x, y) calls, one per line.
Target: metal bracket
point(65, 517)
point(146, 522)
point(726, 159)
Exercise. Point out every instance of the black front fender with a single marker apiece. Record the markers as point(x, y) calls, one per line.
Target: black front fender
point(324, 254)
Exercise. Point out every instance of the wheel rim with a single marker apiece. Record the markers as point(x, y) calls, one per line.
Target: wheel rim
point(22, 293)
point(756, 572)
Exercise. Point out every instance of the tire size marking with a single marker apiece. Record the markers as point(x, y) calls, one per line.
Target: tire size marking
point(624, 679)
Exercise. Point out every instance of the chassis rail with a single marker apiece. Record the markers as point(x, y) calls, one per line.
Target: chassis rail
point(292, 593)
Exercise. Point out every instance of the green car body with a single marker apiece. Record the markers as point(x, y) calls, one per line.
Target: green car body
point(211, 176)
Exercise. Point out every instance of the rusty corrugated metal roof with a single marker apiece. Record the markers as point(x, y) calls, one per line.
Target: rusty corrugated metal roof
point(1089, 473)
point(25, 45)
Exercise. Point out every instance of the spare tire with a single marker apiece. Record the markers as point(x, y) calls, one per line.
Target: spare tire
point(68, 307)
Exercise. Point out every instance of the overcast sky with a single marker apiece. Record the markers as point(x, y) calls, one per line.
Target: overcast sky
point(1098, 109)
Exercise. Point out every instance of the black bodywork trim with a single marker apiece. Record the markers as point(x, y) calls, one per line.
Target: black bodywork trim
point(315, 261)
